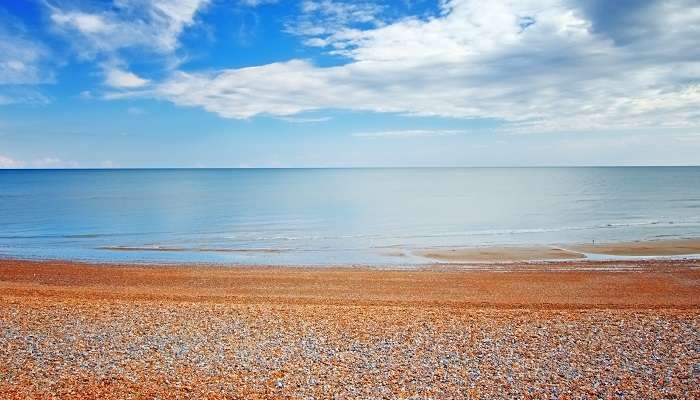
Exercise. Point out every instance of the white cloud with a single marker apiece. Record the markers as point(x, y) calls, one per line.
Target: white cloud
point(540, 65)
point(7, 162)
point(46, 162)
point(19, 62)
point(155, 25)
point(123, 79)
point(85, 23)
point(21, 58)
point(410, 133)
point(323, 17)
point(305, 120)
point(255, 3)
point(12, 94)
point(108, 164)
point(53, 162)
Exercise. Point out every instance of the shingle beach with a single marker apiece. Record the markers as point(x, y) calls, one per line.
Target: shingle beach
point(579, 330)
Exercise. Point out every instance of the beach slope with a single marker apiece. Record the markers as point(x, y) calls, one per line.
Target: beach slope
point(568, 330)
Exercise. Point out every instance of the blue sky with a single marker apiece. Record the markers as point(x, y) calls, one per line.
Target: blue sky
point(264, 83)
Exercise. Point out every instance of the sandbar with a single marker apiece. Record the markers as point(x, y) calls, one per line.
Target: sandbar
point(498, 254)
point(643, 248)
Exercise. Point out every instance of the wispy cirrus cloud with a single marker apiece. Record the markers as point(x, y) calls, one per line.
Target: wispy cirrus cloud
point(538, 65)
point(22, 60)
point(22, 94)
point(256, 3)
point(320, 19)
point(119, 24)
point(24, 63)
point(105, 30)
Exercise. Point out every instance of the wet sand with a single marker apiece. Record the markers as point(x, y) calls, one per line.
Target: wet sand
point(643, 248)
point(569, 252)
point(576, 329)
point(498, 254)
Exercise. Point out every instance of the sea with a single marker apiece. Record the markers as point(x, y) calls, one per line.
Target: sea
point(378, 216)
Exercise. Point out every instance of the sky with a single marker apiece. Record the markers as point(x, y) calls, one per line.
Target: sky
point(329, 83)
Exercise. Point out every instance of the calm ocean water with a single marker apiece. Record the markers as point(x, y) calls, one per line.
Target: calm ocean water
point(327, 216)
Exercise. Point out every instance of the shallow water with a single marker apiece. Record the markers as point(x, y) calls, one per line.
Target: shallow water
point(334, 216)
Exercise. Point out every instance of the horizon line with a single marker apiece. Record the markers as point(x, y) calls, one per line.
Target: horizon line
point(349, 167)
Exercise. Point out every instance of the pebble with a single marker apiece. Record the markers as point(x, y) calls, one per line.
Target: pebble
point(144, 338)
point(204, 350)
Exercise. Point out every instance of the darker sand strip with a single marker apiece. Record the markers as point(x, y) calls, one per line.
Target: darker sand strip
point(577, 284)
point(499, 254)
point(645, 248)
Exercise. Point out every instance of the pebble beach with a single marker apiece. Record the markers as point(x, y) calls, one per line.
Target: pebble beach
point(576, 330)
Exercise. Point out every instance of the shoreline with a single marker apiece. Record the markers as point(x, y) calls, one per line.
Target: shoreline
point(421, 257)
